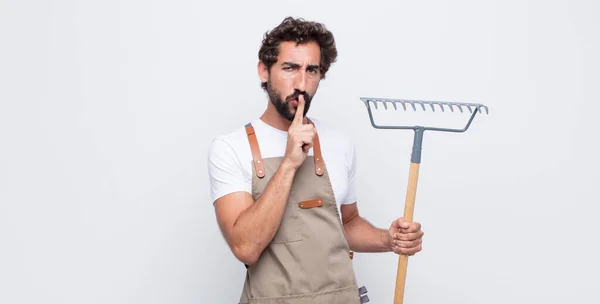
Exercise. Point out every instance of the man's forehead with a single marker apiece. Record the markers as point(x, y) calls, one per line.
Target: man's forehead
point(304, 53)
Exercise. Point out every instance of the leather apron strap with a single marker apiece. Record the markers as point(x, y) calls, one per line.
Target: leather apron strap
point(257, 158)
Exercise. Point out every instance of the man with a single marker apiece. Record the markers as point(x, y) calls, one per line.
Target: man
point(283, 185)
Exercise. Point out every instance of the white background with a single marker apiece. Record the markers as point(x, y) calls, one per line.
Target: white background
point(107, 110)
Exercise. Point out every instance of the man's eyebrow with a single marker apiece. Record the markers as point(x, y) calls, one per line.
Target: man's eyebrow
point(292, 64)
point(296, 65)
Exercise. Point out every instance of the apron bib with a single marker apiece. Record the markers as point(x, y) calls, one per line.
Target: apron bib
point(309, 260)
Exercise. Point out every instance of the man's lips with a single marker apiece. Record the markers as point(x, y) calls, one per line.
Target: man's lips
point(294, 102)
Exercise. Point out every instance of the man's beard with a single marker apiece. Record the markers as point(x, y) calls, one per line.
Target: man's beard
point(284, 107)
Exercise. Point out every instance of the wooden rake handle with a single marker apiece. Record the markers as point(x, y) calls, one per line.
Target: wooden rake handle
point(409, 209)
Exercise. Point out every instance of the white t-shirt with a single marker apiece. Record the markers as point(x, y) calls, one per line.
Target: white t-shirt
point(230, 159)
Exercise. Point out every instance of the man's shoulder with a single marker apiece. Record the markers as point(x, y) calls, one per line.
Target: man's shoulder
point(234, 140)
point(232, 136)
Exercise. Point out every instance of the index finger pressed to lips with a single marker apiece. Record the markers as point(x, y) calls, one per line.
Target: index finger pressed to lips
point(298, 118)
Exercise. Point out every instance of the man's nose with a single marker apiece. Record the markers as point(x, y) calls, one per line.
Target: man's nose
point(300, 84)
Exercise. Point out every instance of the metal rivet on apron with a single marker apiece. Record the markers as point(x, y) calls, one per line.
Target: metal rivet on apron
point(260, 171)
point(318, 159)
point(301, 204)
point(320, 202)
point(258, 161)
point(319, 169)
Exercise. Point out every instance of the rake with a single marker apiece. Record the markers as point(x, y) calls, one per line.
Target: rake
point(413, 176)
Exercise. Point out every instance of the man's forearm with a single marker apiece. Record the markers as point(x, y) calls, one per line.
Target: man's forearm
point(257, 225)
point(364, 237)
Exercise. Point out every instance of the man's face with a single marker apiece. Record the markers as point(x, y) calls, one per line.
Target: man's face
point(295, 72)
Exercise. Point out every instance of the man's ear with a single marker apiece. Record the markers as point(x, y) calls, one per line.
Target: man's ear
point(263, 71)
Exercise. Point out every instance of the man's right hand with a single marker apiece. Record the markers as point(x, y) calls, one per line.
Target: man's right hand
point(300, 138)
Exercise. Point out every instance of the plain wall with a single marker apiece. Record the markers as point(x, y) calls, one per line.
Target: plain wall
point(107, 110)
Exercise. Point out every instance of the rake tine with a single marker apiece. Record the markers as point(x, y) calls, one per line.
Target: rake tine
point(451, 107)
point(413, 105)
point(442, 106)
point(375, 103)
point(432, 108)
point(486, 109)
point(395, 106)
point(403, 105)
point(422, 105)
point(460, 108)
point(366, 102)
point(470, 111)
point(385, 104)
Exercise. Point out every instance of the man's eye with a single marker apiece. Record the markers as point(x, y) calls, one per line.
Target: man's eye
point(312, 71)
point(287, 68)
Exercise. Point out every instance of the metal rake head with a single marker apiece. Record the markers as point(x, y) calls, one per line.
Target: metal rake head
point(415, 104)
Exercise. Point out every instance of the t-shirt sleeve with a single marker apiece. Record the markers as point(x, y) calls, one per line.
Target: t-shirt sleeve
point(226, 173)
point(351, 165)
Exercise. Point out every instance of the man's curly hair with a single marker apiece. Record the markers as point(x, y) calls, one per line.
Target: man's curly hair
point(299, 31)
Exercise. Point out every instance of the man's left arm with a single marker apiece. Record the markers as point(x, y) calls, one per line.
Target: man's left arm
point(401, 237)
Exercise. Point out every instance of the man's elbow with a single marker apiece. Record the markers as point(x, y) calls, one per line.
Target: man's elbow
point(246, 254)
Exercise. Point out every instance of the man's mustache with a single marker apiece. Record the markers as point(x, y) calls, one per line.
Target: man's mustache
point(296, 95)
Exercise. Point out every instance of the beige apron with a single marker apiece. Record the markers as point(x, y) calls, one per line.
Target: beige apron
point(309, 260)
